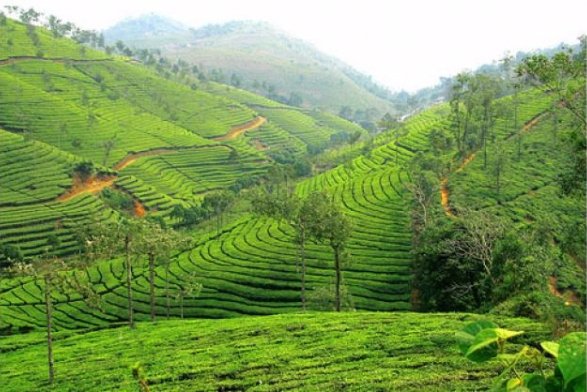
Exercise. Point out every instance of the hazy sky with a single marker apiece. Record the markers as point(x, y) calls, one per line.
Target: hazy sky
point(405, 44)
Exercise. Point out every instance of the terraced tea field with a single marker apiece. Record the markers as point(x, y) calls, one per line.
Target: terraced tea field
point(311, 352)
point(250, 266)
point(110, 110)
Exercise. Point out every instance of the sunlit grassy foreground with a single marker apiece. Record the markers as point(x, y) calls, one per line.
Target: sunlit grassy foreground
point(359, 351)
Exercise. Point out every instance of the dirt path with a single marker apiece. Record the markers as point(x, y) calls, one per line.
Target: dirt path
point(444, 195)
point(568, 296)
point(530, 124)
point(97, 184)
point(240, 129)
point(259, 145)
point(445, 192)
point(91, 185)
point(131, 158)
point(139, 209)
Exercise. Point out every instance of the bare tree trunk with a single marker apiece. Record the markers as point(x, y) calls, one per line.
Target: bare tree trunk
point(152, 284)
point(338, 279)
point(516, 123)
point(303, 260)
point(167, 289)
point(465, 131)
point(49, 315)
point(498, 175)
point(129, 281)
point(181, 306)
point(485, 130)
point(484, 150)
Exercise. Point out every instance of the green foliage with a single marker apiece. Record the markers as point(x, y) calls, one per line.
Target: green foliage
point(454, 265)
point(118, 200)
point(314, 351)
point(482, 341)
point(11, 254)
point(84, 170)
point(189, 216)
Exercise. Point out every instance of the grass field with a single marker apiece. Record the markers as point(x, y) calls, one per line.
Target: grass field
point(357, 351)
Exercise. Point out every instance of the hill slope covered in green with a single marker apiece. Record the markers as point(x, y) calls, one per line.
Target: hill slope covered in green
point(123, 118)
point(311, 352)
point(260, 58)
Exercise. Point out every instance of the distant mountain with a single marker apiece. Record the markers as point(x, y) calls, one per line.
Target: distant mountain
point(258, 57)
point(151, 28)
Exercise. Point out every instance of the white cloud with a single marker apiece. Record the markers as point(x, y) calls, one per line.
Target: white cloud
point(403, 44)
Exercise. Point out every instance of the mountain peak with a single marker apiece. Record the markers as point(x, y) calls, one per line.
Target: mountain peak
point(146, 26)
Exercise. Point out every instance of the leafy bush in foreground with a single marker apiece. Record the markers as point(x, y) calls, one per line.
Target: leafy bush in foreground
point(483, 340)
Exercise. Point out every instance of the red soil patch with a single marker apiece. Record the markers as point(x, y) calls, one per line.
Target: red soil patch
point(568, 296)
point(93, 184)
point(131, 158)
point(139, 209)
point(444, 194)
point(465, 162)
point(240, 129)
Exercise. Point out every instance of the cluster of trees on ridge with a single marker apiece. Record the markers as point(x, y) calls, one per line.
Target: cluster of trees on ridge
point(474, 260)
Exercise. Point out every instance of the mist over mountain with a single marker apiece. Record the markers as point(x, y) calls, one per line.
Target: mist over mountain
point(261, 58)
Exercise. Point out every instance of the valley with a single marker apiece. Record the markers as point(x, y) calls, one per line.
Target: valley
point(162, 229)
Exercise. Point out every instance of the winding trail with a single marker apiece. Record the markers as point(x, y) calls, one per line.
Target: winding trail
point(568, 296)
point(96, 184)
point(240, 129)
point(530, 124)
point(445, 192)
point(131, 158)
point(93, 184)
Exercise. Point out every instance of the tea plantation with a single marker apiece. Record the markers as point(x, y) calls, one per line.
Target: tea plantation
point(312, 352)
point(78, 125)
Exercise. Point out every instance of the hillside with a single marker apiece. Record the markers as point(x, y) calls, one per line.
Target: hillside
point(132, 191)
point(167, 148)
point(249, 267)
point(64, 99)
point(310, 352)
point(260, 58)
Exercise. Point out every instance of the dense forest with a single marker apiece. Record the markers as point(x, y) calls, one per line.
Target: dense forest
point(165, 229)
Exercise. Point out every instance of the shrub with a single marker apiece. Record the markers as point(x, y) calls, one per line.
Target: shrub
point(483, 341)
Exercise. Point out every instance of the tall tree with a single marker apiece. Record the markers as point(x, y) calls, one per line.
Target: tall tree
point(281, 204)
point(106, 239)
point(562, 75)
point(188, 288)
point(331, 225)
point(488, 89)
point(57, 277)
point(217, 203)
point(499, 163)
point(157, 243)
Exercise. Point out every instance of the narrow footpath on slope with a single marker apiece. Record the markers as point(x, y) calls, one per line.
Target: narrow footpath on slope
point(96, 184)
point(568, 296)
point(93, 184)
point(444, 190)
point(240, 129)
